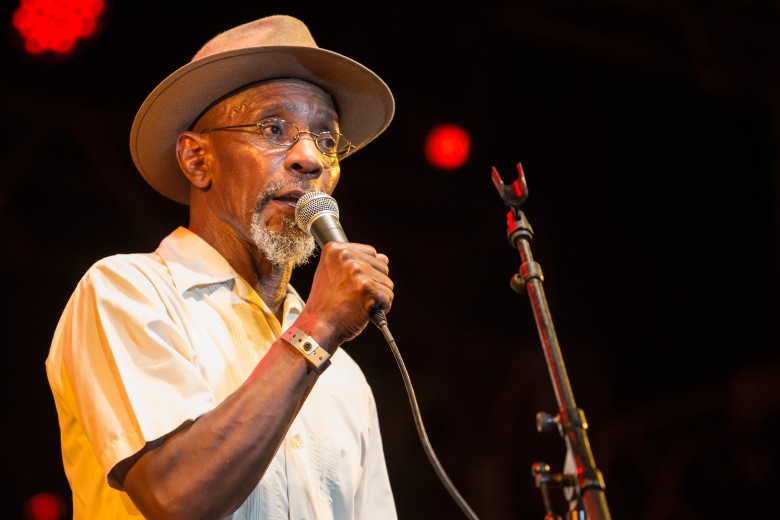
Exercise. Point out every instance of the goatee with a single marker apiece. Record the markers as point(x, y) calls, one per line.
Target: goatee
point(291, 245)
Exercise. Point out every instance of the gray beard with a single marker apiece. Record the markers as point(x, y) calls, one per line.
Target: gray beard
point(291, 246)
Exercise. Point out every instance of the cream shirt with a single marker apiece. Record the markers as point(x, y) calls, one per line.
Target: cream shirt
point(150, 341)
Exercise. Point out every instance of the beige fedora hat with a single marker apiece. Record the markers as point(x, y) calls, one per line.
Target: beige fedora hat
point(277, 46)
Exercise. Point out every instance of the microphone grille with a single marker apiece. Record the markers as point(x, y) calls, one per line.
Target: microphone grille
point(312, 204)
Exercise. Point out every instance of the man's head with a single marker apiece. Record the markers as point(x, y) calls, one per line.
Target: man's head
point(251, 156)
point(269, 48)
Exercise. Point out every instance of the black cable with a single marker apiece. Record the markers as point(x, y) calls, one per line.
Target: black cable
point(378, 318)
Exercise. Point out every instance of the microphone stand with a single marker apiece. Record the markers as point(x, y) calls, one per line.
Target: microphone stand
point(584, 484)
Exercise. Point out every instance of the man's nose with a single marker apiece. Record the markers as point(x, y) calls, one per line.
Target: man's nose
point(305, 157)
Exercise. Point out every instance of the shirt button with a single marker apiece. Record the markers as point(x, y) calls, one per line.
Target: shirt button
point(296, 442)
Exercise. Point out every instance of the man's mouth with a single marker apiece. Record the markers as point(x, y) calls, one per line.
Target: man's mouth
point(288, 198)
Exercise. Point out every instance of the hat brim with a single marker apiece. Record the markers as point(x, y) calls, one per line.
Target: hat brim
point(365, 103)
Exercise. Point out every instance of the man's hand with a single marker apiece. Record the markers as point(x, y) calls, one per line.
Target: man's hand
point(351, 280)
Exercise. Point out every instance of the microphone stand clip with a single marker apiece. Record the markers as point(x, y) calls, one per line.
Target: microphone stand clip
point(582, 482)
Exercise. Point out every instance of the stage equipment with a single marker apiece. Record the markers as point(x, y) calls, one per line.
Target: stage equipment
point(582, 483)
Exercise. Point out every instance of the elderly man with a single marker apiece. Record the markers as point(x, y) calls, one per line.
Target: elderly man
point(178, 376)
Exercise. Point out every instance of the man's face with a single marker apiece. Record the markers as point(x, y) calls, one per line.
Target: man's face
point(255, 183)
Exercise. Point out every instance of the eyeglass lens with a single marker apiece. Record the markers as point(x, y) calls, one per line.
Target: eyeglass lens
point(285, 133)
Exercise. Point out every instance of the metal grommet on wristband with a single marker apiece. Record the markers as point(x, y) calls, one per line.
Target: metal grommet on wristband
point(317, 357)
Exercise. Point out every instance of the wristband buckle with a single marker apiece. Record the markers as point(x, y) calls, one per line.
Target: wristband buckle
point(317, 357)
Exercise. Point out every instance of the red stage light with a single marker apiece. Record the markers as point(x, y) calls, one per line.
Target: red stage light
point(447, 146)
point(56, 25)
point(44, 506)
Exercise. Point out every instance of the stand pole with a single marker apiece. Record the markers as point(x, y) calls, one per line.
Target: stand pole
point(587, 481)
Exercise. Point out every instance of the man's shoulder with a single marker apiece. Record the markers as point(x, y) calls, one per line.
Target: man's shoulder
point(119, 261)
point(149, 261)
point(130, 267)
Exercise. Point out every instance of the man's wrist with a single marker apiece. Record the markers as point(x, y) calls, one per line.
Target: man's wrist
point(316, 356)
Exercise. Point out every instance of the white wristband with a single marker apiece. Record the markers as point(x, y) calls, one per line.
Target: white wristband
point(317, 357)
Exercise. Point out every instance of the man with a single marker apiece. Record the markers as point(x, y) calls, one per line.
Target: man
point(180, 384)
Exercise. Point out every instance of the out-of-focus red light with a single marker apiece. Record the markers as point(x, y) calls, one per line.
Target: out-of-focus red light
point(447, 146)
point(56, 25)
point(44, 506)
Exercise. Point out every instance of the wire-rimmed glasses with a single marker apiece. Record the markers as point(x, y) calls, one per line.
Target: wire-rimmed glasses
point(285, 133)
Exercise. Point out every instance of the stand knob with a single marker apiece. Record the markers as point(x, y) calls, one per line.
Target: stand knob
point(517, 284)
point(546, 422)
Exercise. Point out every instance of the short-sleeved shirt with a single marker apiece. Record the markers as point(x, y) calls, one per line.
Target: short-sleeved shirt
point(148, 342)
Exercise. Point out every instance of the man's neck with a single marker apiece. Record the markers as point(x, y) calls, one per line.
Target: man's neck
point(269, 280)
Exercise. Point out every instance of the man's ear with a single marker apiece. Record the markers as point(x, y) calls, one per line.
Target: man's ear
point(194, 159)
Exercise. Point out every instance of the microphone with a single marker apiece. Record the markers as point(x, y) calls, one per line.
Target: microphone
point(317, 214)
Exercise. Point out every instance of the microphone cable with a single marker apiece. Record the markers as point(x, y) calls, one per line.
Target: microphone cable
point(317, 214)
point(378, 318)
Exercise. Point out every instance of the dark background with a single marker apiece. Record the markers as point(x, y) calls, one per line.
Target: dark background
point(648, 132)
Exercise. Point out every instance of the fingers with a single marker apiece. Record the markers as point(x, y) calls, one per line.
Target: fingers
point(351, 279)
point(367, 270)
point(351, 252)
point(377, 260)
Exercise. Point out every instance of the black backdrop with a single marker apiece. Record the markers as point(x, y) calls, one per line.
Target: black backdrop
point(648, 135)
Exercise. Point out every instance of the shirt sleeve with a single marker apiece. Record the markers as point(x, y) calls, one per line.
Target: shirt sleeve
point(128, 360)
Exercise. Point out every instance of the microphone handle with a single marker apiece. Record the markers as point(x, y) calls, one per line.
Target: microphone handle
point(326, 228)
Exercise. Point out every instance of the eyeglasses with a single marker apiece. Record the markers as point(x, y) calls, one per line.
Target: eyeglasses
point(285, 133)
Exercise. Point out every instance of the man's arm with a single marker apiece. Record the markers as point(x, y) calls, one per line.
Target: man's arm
point(207, 468)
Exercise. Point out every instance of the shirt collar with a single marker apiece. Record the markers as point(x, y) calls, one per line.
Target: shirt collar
point(192, 261)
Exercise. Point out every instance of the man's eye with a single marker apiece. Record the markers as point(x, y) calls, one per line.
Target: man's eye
point(273, 129)
point(328, 142)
